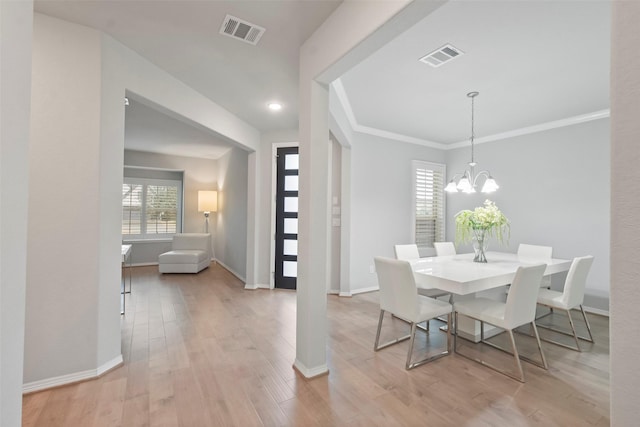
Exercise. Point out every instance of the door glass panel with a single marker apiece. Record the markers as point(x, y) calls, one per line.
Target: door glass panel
point(290, 247)
point(291, 161)
point(291, 204)
point(291, 226)
point(290, 268)
point(291, 183)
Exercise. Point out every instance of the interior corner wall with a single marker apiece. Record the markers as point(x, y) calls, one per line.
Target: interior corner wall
point(336, 215)
point(63, 245)
point(554, 188)
point(199, 174)
point(625, 205)
point(16, 26)
point(230, 239)
point(381, 201)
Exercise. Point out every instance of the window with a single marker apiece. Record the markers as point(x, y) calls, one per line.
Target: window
point(151, 208)
point(428, 203)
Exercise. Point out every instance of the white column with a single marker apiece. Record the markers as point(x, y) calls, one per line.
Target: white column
point(16, 27)
point(345, 224)
point(313, 230)
point(253, 222)
point(625, 205)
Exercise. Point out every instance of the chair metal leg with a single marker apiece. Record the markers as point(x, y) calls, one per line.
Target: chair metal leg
point(449, 333)
point(573, 329)
point(516, 356)
point(377, 347)
point(573, 333)
point(515, 353)
point(544, 359)
point(411, 341)
point(410, 365)
point(584, 316)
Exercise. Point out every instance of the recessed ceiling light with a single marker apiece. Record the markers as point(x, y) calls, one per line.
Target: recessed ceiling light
point(274, 106)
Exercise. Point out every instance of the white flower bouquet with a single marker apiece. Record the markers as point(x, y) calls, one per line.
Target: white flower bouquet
point(487, 218)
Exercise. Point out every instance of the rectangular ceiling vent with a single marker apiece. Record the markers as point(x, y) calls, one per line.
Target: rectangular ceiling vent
point(441, 56)
point(241, 30)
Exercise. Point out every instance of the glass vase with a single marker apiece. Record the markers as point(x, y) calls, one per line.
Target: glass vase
point(479, 245)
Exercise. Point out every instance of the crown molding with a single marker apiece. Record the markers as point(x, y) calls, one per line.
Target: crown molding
point(569, 121)
point(356, 127)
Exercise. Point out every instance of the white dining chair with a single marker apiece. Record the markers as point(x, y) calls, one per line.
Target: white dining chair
point(518, 310)
point(444, 248)
point(399, 296)
point(536, 254)
point(408, 253)
point(570, 298)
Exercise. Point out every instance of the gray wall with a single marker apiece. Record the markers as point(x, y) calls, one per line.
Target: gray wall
point(381, 201)
point(199, 174)
point(230, 240)
point(554, 188)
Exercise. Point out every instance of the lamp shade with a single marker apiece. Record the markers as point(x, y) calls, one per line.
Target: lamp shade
point(207, 201)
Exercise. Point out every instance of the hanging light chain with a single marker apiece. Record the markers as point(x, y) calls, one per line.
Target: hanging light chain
point(472, 95)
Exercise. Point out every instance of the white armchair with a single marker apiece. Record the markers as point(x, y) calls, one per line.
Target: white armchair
point(190, 253)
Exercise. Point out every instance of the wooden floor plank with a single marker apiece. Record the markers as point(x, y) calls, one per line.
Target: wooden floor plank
point(200, 350)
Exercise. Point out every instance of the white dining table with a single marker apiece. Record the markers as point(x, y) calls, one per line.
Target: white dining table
point(463, 278)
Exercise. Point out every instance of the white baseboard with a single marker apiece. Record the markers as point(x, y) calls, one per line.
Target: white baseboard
point(230, 270)
point(71, 378)
point(363, 290)
point(310, 373)
point(256, 286)
point(333, 292)
point(142, 264)
point(597, 311)
point(359, 291)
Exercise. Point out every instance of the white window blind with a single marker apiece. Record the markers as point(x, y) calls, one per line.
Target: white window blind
point(151, 208)
point(428, 203)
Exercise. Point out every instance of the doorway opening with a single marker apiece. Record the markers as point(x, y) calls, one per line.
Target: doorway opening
point(286, 218)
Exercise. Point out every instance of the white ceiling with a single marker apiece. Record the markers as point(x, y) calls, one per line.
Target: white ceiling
point(146, 129)
point(532, 62)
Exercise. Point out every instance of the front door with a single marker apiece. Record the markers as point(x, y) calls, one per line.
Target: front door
point(286, 256)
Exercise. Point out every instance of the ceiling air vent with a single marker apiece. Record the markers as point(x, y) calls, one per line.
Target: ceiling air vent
point(241, 30)
point(441, 56)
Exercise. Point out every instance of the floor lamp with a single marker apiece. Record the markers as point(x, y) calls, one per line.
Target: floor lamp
point(207, 203)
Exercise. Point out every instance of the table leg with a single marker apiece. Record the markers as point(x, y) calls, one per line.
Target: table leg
point(123, 289)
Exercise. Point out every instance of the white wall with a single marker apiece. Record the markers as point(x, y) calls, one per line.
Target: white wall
point(381, 201)
point(625, 205)
point(64, 216)
point(199, 174)
point(554, 188)
point(231, 222)
point(79, 80)
point(336, 206)
point(16, 25)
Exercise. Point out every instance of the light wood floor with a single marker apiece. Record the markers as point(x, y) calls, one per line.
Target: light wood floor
point(199, 350)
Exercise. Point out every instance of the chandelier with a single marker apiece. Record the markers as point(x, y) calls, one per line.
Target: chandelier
point(468, 179)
